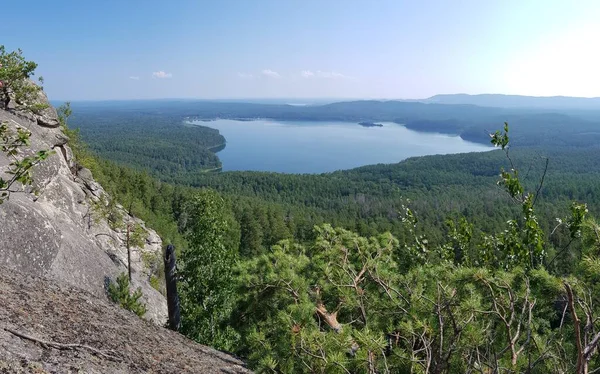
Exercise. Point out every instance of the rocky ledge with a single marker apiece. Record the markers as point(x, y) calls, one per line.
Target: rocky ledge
point(47, 327)
point(57, 229)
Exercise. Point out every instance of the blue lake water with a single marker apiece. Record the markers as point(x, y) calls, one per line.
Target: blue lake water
point(317, 147)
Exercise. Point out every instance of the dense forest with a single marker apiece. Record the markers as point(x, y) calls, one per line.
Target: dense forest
point(145, 140)
point(467, 263)
point(529, 127)
point(366, 200)
point(473, 263)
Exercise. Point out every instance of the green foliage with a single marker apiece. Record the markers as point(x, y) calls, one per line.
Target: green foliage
point(83, 156)
point(576, 220)
point(346, 303)
point(365, 200)
point(307, 307)
point(206, 290)
point(459, 248)
point(107, 209)
point(158, 204)
point(342, 304)
point(157, 143)
point(154, 263)
point(467, 282)
point(137, 235)
point(150, 260)
point(120, 293)
point(523, 243)
point(20, 168)
point(500, 139)
point(157, 284)
point(64, 112)
point(15, 72)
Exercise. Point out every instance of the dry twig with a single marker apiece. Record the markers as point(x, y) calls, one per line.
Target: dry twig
point(62, 346)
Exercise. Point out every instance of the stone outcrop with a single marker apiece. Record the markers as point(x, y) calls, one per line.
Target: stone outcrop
point(54, 228)
point(46, 117)
point(115, 340)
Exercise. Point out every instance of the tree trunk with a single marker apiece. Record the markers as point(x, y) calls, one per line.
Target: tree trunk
point(128, 253)
point(581, 365)
point(6, 96)
point(172, 296)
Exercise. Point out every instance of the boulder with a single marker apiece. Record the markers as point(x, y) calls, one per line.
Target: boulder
point(47, 117)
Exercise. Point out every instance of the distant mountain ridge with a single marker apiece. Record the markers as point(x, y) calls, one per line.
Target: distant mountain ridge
point(481, 100)
point(517, 101)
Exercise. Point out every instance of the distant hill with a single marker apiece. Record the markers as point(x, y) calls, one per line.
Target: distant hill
point(159, 123)
point(517, 101)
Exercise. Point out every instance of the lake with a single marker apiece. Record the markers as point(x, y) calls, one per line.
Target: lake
point(317, 147)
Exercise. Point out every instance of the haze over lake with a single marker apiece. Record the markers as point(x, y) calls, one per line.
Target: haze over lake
point(317, 147)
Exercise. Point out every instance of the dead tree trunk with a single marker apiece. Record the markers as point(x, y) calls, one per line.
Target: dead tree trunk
point(172, 296)
point(6, 95)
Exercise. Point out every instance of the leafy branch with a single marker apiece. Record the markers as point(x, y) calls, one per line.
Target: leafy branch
point(525, 241)
point(15, 86)
point(20, 168)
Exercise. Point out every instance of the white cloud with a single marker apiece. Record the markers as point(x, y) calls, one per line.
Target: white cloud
point(331, 75)
point(270, 73)
point(323, 74)
point(161, 74)
point(245, 75)
point(134, 78)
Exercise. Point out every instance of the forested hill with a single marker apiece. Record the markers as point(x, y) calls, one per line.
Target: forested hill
point(148, 139)
point(276, 260)
point(518, 101)
point(153, 135)
point(271, 279)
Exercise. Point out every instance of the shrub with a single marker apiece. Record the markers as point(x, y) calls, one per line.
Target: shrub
point(15, 85)
point(12, 144)
point(120, 293)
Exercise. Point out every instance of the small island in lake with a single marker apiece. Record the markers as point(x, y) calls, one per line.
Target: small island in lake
point(370, 124)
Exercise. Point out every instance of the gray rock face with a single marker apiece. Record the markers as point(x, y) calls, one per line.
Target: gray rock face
point(17, 253)
point(47, 117)
point(53, 229)
point(43, 309)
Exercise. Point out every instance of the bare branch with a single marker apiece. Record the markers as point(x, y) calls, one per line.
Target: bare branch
point(61, 346)
point(537, 192)
point(577, 326)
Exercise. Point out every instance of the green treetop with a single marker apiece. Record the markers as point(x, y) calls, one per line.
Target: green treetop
point(15, 73)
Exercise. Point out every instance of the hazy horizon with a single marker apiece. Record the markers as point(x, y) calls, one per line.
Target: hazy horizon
point(315, 99)
point(342, 49)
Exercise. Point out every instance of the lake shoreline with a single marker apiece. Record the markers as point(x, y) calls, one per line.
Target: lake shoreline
point(314, 147)
point(466, 135)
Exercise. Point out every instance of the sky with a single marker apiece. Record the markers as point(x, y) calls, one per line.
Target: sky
point(388, 49)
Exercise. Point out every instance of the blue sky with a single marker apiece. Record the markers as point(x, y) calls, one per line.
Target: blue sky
point(133, 49)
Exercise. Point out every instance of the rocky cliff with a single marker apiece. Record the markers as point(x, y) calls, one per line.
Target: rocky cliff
point(47, 327)
point(60, 243)
point(58, 227)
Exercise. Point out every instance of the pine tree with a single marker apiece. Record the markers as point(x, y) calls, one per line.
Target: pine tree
point(206, 290)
